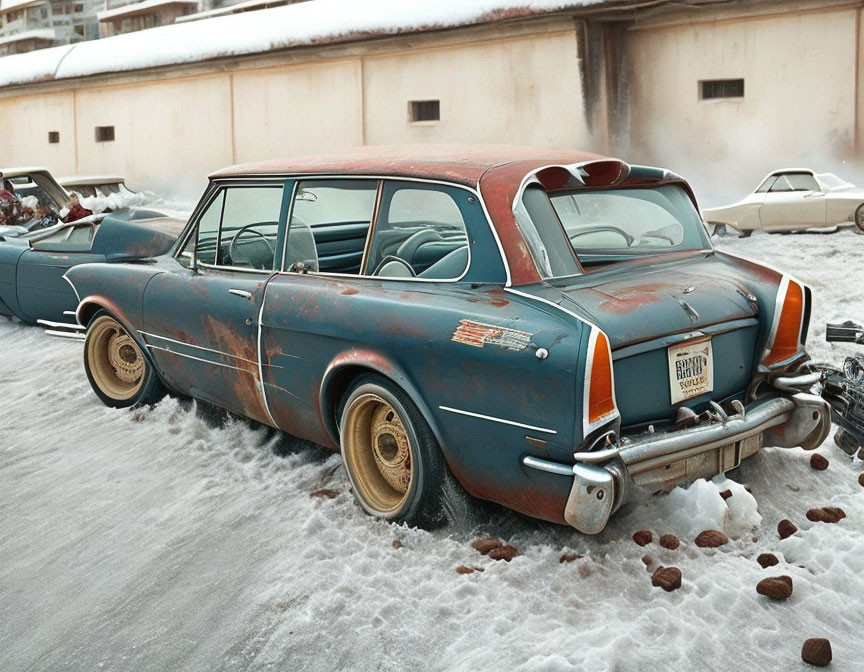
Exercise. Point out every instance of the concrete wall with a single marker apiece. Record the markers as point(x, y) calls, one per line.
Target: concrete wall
point(162, 129)
point(297, 110)
point(799, 104)
point(25, 123)
point(171, 126)
point(525, 91)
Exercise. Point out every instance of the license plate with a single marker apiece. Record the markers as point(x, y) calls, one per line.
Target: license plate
point(691, 370)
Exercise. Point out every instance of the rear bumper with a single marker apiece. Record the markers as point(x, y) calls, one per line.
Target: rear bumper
point(603, 479)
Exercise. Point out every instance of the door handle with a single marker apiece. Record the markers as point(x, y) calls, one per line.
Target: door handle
point(241, 293)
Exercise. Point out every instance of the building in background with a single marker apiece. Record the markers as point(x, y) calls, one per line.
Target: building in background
point(121, 16)
point(26, 25)
point(722, 93)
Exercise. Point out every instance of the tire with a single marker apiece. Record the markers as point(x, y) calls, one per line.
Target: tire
point(745, 233)
point(120, 374)
point(393, 461)
point(859, 219)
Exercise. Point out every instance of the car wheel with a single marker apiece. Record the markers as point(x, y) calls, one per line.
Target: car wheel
point(859, 219)
point(120, 374)
point(745, 233)
point(392, 458)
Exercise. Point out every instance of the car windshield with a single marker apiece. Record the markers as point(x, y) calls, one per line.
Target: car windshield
point(610, 225)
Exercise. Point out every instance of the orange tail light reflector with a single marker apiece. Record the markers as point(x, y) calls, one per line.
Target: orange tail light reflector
point(600, 394)
point(787, 333)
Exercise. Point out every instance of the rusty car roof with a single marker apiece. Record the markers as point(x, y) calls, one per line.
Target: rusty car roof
point(495, 171)
point(462, 164)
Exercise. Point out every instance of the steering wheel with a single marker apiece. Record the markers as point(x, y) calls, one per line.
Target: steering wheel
point(249, 228)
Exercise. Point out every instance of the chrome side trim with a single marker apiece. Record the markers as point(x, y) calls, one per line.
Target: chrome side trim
point(501, 420)
point(551, 303)
point(76, 335)
point(59, 325)
point(260, 366)
point(199, 359)
point(548, 467)
point(147, 334)
point(242, 293)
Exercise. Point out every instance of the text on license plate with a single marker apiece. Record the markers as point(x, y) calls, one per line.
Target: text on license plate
point(691, 370)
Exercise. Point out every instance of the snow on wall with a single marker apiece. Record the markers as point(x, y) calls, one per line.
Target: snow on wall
point(306, 23)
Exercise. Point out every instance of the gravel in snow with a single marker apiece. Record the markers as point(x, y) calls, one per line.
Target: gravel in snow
point(179, 538)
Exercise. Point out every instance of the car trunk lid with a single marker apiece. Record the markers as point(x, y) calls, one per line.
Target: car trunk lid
point(646, 307)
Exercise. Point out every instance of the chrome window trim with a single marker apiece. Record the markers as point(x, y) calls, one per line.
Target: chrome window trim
point(475, 191)
point(210, 193)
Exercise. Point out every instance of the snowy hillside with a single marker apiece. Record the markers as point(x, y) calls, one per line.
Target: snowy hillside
point(171, 539)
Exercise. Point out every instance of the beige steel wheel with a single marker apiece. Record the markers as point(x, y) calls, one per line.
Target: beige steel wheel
point(377, 453)
point(119, 372)
point(391, 456)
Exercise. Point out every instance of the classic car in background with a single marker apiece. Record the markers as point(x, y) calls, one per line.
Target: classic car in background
point(792, 199)
point(45, 202)
point(101, 192)
point(32, 287)
point(551, 328)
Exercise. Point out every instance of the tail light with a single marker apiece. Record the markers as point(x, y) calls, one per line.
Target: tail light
point(788, 329)
point(599, 395)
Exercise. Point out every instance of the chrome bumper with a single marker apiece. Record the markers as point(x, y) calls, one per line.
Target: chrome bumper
point(601, 479)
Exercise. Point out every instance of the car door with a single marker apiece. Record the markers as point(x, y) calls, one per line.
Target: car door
point(793, 201)
point(201, 319)
point(43, 293)
point(315, 316)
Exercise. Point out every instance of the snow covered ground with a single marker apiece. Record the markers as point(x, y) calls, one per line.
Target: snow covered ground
point(176, 539)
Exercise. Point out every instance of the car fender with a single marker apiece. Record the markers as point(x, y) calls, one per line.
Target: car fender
point(124, 283)
point(353, 362)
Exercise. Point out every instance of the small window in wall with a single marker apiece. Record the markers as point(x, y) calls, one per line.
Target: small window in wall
point(424, 110)
point(104, 134)
point(53, 137)
point(721, 88)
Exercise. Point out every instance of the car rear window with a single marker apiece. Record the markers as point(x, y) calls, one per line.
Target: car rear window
point(603, 225)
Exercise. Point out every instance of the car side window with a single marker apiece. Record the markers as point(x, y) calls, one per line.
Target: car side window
point(237, 229)
point(420, 232)
point(795, 182)
point(767, 184)
point(329, 225)
point(250, 222)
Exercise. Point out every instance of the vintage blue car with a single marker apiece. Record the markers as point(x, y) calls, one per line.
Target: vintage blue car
point(550, 328)
point(32, 264)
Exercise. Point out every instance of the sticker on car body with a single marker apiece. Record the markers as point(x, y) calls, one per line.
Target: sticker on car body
point(478, 334)
point(691, 370)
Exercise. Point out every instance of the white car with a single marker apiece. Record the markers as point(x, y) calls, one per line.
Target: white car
point(103, 192)
point(792, 199)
